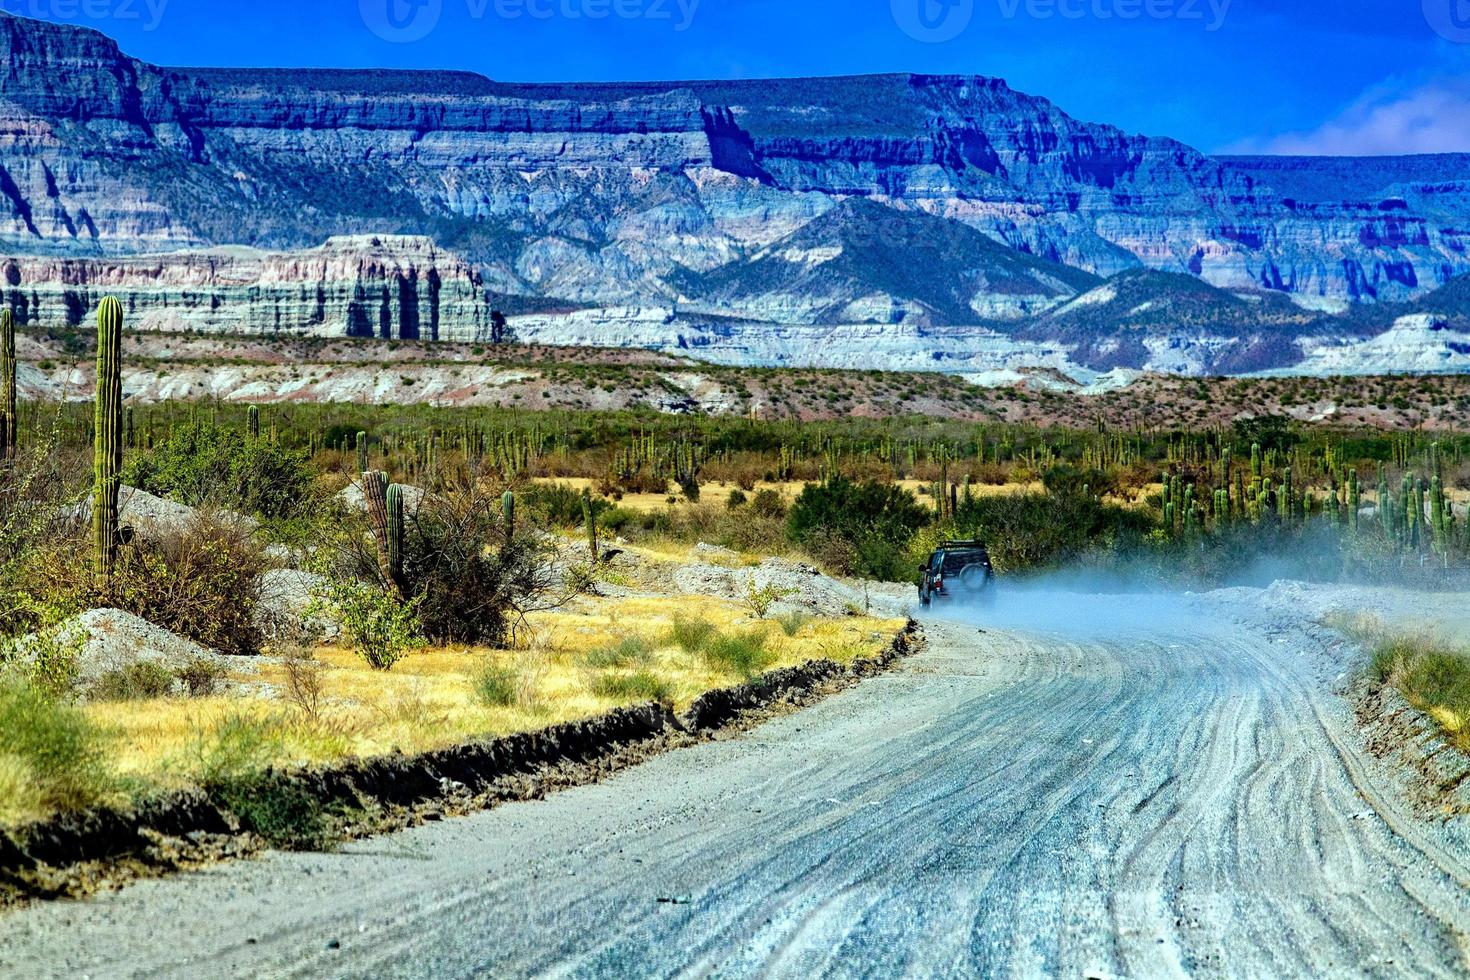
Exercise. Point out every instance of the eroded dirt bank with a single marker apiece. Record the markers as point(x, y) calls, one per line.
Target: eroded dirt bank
point(1058, 792)
point(78, 854)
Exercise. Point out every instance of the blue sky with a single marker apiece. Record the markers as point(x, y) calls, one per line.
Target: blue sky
point(1372, 76)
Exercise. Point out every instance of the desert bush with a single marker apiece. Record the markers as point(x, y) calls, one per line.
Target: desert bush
point(632, 688)
point(769, 503)
point(736, 500)
point(793, 623)
point(1025, 531)
point(36, 491)
point(201, 677)
point(643, 481)
point(832, 552)
point(141, 681)
point(201, 582)
point(470, 584)
point(560, 505)
point(305, 690)
point(380, 627)
point(628, 650)
point(758, 601)
point(742, 654)
point(691, 635)
point(48, 657)
point(203, 463)
point(877, 519)
point(51, 751)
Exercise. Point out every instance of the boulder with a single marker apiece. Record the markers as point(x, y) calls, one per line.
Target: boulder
point(151, 515)
point(352, 498)
point(107, 640)
point(284, 612)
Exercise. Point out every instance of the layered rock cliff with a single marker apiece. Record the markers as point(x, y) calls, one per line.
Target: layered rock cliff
point(401, 288)
point(597, 192)
point(935, 217)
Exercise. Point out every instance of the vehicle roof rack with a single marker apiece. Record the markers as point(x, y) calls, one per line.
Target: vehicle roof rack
point(962, 544)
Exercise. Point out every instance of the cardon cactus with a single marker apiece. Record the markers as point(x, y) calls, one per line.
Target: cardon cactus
point(589, 516)
point(375, 494)
point(252, 421)
point(362, 452)
point(508, 508)
point(395, 532)
point(107, 441)
point(9, 420)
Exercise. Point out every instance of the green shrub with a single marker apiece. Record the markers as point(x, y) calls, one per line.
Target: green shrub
point(202, 677)
point(737, 500)
point(52, 750)
point(201, 582)
point(203, 463)
point(234, 760)
point(49, 661)
point(628, 650)
point(380, 627)
point(141, 681)
point(560, 505)
point(876, 519)
point(495, 686)
point(743, 654)
point(792, 623)
point(632, 688)
point(760, 600)
point(769, 503)
point(1026, 531)
point(691, 635)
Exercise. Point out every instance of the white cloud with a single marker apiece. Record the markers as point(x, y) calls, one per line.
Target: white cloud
point(1433, 118)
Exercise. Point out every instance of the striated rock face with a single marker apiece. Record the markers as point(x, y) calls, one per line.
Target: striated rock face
point(372, 286)
point(882, 221)
point(598, 192)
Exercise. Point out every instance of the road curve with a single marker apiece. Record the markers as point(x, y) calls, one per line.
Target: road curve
point(1150, 800)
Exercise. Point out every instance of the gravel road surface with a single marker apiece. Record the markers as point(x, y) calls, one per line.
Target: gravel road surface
point(1136, 792)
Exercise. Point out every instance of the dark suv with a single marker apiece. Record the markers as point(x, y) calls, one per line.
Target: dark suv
point(958, 570)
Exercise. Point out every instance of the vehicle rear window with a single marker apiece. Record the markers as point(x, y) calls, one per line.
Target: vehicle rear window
point(955, 561)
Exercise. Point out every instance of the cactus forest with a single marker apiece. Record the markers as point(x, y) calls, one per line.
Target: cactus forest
point(1389, 495)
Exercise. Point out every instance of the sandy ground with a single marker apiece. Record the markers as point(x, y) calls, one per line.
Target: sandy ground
point(1062, 786)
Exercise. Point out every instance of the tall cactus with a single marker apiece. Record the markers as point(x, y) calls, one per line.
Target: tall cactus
point(9, 421)
point(375, 492)
point(395, 532)
point(362, 452)
point(590, 517)
point(508, 508)
point(107, 441)
point(252, 421)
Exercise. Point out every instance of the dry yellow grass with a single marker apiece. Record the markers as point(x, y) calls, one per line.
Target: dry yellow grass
point(430, 699)
point(719, 494)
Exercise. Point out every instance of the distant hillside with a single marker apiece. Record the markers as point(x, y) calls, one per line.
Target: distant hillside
point(862, 261)
point(1133, 317)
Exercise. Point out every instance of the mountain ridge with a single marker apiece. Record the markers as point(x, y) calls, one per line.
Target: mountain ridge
point(657, 202)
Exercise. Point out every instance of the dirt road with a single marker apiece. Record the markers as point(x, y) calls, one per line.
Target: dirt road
point(1175, 794)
